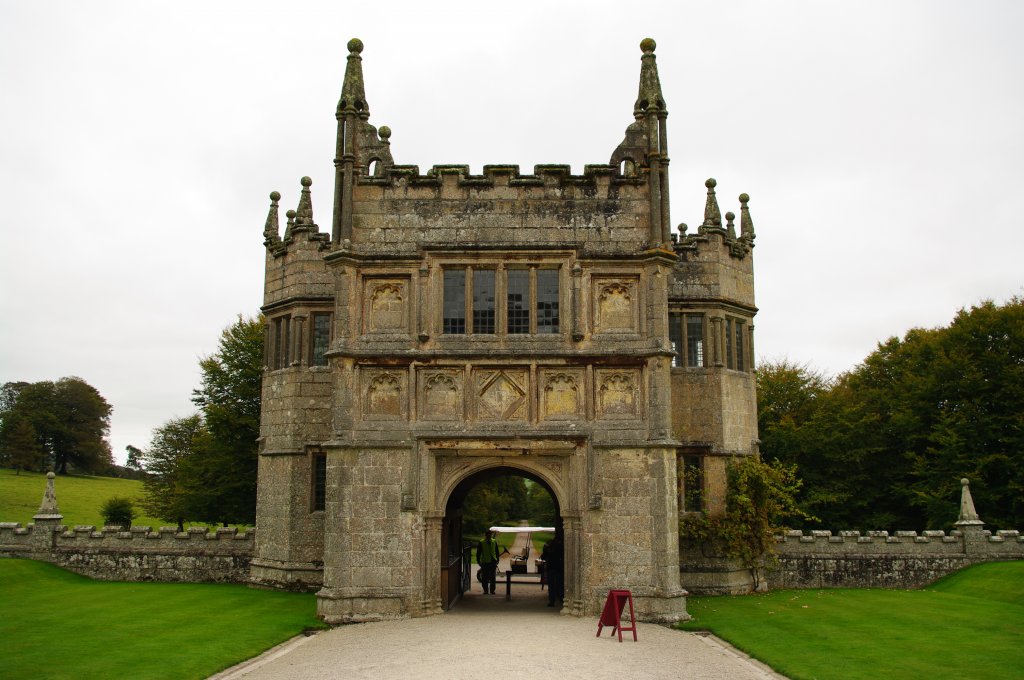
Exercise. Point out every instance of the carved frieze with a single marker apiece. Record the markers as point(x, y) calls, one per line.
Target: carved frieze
point(386, 305)
point(617, 393)
point(502, 394)
point(384, 394)
point(441, 395)
point(561, 394)
point(616, 305)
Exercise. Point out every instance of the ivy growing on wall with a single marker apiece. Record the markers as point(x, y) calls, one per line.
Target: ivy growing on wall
point(760, 497)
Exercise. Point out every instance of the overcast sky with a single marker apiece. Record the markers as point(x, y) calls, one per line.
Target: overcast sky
point(882, 145)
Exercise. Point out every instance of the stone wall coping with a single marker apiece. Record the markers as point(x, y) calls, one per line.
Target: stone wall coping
point(825, 536)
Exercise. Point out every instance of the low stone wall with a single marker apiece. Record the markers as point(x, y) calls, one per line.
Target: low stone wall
point(140, 554)
point(876, 559)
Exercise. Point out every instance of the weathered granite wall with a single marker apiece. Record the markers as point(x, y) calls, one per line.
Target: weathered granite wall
point(140, 554)
point(877, 559)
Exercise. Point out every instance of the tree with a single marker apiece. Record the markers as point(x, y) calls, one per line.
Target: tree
point(118, 512)
point(495, 500)
point(222, 481)
point(135, 457)
point(760, 498)
point(19, 445)
point(166, 492)
point(71, 420)
point(884, 446)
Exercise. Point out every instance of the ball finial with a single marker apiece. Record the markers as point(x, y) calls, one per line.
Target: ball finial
point(648, 45)
point(50, 475)
point(711, 183)
point(275, 196)
point(744, 198)
point(729, 217)
point(306, 182)
point(355, 45)
point(290, 214)
point(384, 131)
point(965, 482)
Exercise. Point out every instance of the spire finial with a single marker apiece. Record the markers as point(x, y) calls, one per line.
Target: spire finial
point(746, 224)
point(304, 211)
point(712, 215)
point(48, 508)
point(270, 230)
point(730, 228)
point(649, 98)
point(353, 95)
point(967, 512)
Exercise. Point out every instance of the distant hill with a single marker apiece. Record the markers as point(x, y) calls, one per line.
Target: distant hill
point(79, 497)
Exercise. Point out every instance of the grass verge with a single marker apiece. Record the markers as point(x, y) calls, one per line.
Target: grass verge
point(56, 624)
point(967, 625)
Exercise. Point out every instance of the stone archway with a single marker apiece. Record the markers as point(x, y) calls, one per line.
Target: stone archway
point(452, 465)
point(453, 550)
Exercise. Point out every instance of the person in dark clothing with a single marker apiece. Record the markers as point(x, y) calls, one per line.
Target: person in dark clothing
point(554, 565)
point(487, 558)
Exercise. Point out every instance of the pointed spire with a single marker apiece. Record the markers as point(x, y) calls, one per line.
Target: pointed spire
point(712, 215)
point(649, 98)
point(48, 508)
point(270, 230)
point(290, 226)
point(746, 224)
point(353, 95)
point(968, 515)
point(304, 212)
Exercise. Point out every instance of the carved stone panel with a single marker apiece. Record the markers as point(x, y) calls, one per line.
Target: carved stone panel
point(617, 393)
point(384, 394)
point(561, 394)
point(616, 305)
point(386, 305)
point(441, 395)
point(501, 394)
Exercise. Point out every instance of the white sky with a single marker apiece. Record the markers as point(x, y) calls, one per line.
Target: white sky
point(882, 145)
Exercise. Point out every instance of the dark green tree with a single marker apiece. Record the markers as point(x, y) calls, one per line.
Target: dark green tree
point(222, 480)
point(494, 501)
point(19, 445)
point(135, 457)
point(118, 512)
point(174, 444)
point(71, 420)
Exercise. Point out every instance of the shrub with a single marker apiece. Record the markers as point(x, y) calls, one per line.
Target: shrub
point(118, 512)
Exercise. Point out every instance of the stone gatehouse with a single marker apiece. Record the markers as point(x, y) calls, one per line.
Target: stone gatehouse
point(452, 327)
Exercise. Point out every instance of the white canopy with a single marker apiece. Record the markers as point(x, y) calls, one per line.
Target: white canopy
point(520, 530)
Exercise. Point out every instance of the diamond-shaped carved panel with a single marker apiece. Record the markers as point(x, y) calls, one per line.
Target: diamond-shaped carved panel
point(502, 395)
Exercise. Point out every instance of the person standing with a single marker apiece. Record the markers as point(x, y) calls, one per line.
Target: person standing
point(554, 565)
point(487, 558)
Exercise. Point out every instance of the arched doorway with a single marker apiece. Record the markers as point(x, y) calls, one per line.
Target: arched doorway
point(455, 549)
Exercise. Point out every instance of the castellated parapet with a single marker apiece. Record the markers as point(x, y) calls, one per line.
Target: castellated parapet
point(876, 559)
point(140, 554)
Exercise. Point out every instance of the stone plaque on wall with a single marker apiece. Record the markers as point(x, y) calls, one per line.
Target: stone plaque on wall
point(502, 394)
point(561, 394)
point(617, 393)
point(384, 394)
point(440, 395)
point(386, 305)
point(616, 307)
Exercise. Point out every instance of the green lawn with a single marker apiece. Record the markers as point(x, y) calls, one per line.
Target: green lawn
point(79, 497)
point(56, 624)
point(967, 625)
